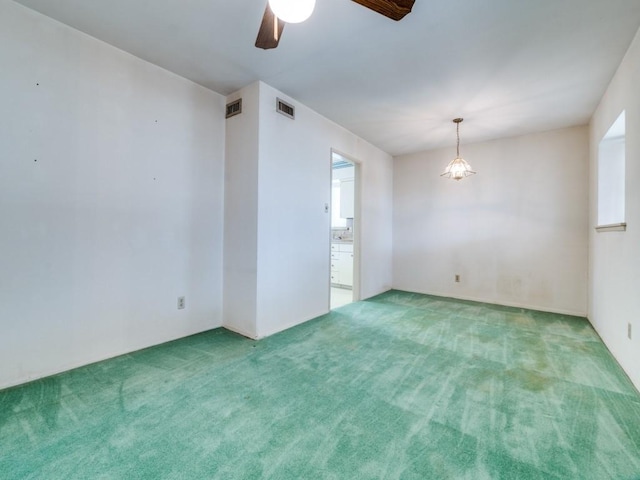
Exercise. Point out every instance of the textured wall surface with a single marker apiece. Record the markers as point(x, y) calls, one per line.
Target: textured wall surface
point(111, 182)
point(516, 232)
point(614, 276)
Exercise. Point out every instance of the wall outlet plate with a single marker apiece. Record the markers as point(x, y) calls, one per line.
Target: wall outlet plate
point(181, 303)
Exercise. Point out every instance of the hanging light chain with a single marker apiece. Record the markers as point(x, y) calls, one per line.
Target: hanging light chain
point(458, 121)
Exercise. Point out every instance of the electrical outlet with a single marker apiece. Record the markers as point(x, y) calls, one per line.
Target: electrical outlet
point(457, 278)
point(181, 303)
point(629, 330)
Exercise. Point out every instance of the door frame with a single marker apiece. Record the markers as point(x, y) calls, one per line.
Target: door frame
point(357, 234)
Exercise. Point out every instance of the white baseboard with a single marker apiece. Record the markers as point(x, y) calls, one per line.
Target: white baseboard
point(501, 303)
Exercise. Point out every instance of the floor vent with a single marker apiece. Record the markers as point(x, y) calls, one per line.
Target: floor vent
point(234, 108)
point(285, 108)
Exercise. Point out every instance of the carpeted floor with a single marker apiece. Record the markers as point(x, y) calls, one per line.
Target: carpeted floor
point(402, 386)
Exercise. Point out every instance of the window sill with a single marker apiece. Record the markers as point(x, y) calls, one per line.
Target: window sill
point(612, 227)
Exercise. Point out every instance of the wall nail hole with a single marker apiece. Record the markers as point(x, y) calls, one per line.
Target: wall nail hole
point(35, 159)
point(37, 84)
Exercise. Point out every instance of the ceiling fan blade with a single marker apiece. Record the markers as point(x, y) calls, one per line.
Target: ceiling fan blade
point(270, 30)
point(393, 9)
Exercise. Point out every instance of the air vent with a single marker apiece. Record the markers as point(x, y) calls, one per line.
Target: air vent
point(234, 108)
point(285, 108)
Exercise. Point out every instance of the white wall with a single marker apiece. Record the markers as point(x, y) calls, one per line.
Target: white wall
point(121, 213)
point(614, 257)
point(292, 269)
point(516, 232)
point(293, 244)
point(294, 229)
point(241, 214)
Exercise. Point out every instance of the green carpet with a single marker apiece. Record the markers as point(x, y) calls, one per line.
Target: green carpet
point(402, 386)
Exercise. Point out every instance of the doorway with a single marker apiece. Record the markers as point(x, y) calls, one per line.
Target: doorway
point(343, 221)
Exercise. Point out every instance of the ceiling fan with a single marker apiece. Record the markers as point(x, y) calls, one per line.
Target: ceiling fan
point(272, 26)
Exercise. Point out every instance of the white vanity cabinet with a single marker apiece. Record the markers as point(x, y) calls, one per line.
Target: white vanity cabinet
point(342, 264)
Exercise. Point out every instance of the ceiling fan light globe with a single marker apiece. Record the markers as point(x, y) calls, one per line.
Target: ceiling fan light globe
point(292, 11)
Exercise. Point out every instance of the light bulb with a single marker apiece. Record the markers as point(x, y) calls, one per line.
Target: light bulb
point(292, 11)
point(457, 169)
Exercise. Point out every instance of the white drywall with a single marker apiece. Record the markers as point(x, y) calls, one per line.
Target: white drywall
point(614, 257)
point(241, 214)
point(111, 200)
point(516, 232)
point(293, 241)
point(292, 270)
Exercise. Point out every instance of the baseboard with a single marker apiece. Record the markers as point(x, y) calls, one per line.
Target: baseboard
point(90, 361)
point(537, 308)
point(292, 324)
point(385, 290)
point(240, 331)
point(634, 379)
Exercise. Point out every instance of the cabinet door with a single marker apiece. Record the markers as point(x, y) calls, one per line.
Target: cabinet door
point(345, 247)
point(346, 268)
point(347, 193)
point(335, 264)
point(342, 264)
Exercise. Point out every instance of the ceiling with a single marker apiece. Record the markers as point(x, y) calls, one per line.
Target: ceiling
point(508, 67)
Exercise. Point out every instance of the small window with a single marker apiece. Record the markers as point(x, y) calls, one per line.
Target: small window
point(611, 176)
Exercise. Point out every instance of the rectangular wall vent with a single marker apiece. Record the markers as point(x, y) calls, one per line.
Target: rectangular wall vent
point(285, 108)
point(234, 108)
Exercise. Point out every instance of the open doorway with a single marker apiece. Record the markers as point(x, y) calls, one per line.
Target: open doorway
point(343, 213)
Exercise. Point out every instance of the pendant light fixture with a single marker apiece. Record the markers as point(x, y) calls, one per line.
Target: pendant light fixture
point(292, 11)
point(458, 168)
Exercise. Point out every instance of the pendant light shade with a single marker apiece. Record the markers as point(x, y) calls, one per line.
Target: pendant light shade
point(458, 168)
point(292, 11)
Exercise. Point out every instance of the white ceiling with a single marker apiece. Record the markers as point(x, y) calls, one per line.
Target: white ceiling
point(508, 67)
